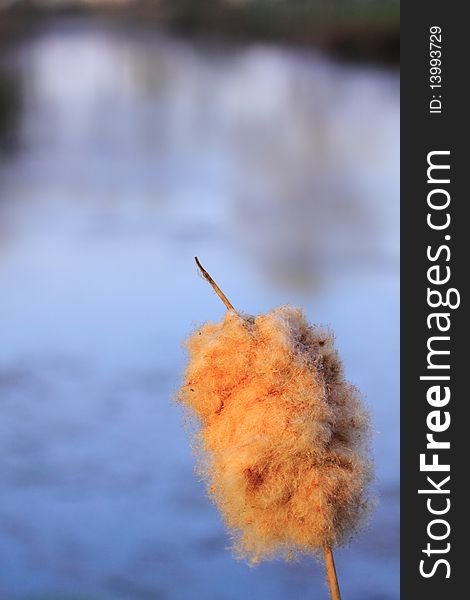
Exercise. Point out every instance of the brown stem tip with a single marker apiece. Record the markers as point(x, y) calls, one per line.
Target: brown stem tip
point(216, 288)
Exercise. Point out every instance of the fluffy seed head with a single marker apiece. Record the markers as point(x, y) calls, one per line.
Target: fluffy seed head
point(281, 436)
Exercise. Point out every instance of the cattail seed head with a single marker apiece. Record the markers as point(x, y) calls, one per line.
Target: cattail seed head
point(281, 436)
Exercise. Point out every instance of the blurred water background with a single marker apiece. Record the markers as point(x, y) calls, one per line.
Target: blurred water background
point(125, 151)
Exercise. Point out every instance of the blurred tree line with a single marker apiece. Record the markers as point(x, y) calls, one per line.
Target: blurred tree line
point(354, 28)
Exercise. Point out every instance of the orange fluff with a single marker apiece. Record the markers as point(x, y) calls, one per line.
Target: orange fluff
point(281, 436)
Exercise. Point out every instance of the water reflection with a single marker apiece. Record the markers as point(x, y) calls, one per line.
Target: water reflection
point(137, 151)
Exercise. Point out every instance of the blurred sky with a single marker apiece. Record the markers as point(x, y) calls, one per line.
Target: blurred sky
point(126, 154)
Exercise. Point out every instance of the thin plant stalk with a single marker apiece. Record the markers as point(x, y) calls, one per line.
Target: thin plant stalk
point(328, 552)
point(331, 573)
point(217, 290)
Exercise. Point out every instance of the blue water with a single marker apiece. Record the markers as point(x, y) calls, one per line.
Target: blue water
point(135, 152)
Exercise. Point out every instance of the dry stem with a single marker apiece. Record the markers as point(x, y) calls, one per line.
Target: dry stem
point(217, 290)
point(331, 573)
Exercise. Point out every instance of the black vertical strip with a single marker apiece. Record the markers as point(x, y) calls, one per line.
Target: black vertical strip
point(422, 133)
